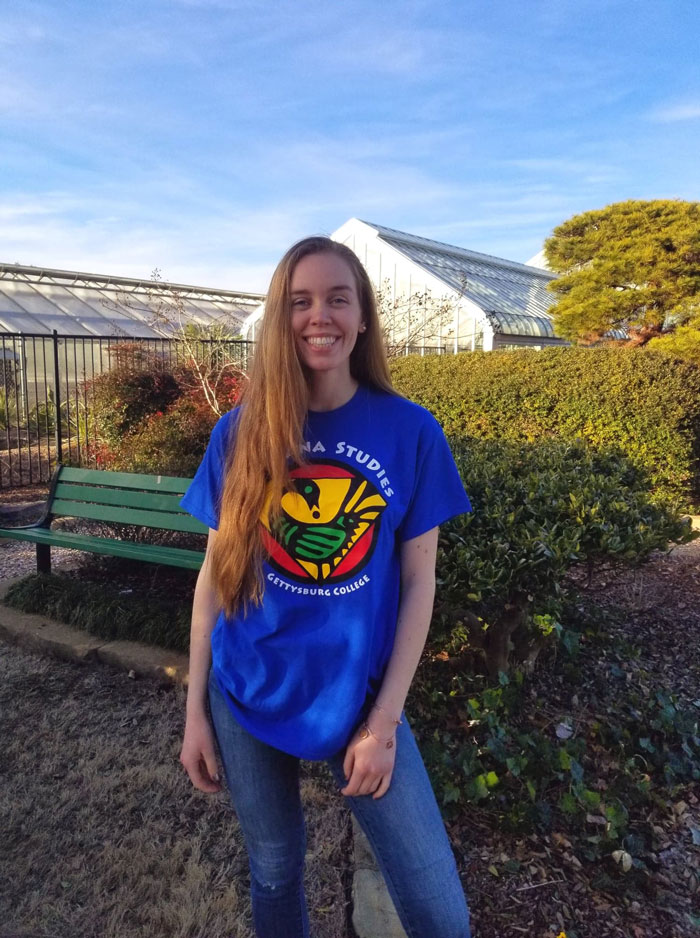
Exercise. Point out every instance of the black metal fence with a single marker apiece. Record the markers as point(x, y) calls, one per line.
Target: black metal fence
point(45, 394)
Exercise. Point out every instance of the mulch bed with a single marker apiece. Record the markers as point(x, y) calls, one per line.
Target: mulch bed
point(552, 891)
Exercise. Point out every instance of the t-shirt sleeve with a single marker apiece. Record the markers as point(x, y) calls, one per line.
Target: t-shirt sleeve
point(203, 496)
point(438, 492)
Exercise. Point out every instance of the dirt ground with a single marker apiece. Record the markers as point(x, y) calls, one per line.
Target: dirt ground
point(102, 833)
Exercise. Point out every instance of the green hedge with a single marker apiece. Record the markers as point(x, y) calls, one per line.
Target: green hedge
point(645, 402)
point(539, 510)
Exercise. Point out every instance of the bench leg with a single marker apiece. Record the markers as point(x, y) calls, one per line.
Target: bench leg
point(43, 558)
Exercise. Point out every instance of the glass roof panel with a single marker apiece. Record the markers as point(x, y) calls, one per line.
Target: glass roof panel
point(22, 322)
point(30, 299)
point(516, 300)
point(73, 304)
point(7, 304)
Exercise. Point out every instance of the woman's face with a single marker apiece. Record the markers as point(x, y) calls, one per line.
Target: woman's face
point(326, 313)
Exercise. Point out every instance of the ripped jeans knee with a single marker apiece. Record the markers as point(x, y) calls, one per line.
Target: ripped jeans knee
point(275, 868)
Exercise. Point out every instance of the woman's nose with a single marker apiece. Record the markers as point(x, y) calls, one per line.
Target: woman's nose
point(320, 312)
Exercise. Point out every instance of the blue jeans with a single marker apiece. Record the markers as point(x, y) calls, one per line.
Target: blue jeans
point(404, 827)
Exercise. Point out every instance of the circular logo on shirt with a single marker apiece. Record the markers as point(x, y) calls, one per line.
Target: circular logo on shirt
point(329, 524)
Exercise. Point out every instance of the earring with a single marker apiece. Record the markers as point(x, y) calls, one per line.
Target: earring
point(362, 327)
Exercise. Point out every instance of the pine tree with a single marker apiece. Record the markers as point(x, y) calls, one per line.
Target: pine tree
point(633, 266)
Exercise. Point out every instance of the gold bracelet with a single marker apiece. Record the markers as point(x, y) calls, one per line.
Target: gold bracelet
point(377, 707)
point(365, 731)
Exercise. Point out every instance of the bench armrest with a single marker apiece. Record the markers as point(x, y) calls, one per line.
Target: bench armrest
point(46, 517)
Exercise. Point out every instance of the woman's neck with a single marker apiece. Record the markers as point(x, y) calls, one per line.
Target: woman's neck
point(327, 393)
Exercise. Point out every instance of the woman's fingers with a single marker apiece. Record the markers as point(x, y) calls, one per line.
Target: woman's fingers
point(383, 787)
point(358, 779)
point(367, 767)
point(198, 756)
point(201, 777)
point(364, 785)
point(211, 766)
point(348, 762)
point(207, 779)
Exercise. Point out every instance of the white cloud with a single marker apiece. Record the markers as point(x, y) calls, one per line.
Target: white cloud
point(676, 112)
point(104, 236)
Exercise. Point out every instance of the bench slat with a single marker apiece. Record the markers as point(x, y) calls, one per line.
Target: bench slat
point(115, 497)
point(128, 498)
point(148, 519)
point(153, 553)
point(126, 480)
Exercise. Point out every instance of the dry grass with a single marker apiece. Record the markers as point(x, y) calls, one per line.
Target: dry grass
point(103, 834)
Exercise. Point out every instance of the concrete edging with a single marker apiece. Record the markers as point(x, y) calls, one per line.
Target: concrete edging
point(43, 635)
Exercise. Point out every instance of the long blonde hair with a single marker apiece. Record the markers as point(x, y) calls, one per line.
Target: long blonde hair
point(270, 428)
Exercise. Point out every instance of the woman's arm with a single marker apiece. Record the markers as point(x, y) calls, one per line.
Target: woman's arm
point(368, 764)
point(415, 612)
point(205, 612)
point(197, 754)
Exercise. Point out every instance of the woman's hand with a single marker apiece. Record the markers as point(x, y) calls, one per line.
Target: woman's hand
point(368, 764)
point(198, 755)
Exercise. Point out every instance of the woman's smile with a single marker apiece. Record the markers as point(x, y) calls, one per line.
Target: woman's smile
point(321, 341)
point(326, 314)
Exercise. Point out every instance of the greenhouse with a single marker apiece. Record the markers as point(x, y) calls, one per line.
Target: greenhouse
point(486, 302)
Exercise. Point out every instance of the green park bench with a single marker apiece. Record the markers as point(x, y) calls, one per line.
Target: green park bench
point(149, 501)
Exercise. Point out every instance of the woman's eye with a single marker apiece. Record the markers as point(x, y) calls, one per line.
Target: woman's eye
point(339, 299)
point(298, 303)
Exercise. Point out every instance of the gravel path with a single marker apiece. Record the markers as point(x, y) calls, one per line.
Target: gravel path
point(18, 558)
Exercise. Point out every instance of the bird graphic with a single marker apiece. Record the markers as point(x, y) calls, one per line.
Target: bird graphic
point(328, 525)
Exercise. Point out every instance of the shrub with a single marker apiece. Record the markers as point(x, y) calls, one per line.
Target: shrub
point(149, 417)
point(42, 416)
point(9, 415)
point(139, 383)
point(593, 774)
point(106, 611)
point(539, 509)
point(170, 442)
point(645, 402)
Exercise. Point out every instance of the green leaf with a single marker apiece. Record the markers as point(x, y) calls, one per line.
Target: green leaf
point(591, 798)
point(567, 803)
point(514, 765)
point(450, 793)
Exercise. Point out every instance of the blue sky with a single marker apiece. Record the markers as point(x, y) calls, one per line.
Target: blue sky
point(202, 137)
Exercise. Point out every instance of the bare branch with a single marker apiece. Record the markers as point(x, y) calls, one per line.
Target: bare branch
point(207, 348)
point(415, 321)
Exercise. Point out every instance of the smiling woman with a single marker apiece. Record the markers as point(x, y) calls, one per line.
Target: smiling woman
point(313, 605)
point(326, 320)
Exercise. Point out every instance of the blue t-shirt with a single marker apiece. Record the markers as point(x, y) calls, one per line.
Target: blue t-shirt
point(299, 671)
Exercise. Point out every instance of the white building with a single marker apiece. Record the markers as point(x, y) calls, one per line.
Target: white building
point(493, 303)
